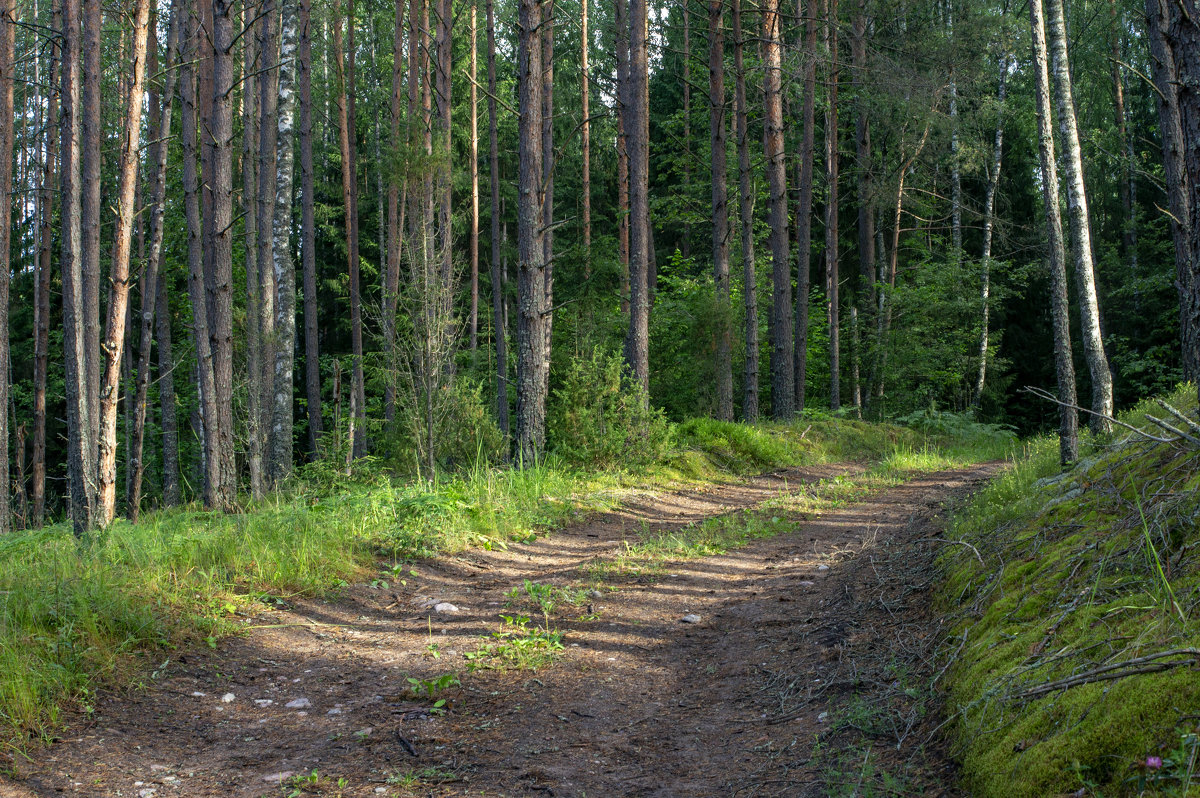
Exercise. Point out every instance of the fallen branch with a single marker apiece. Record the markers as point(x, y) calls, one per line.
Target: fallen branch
point(1118, 670)
point(958, 542)
point(1041, 394)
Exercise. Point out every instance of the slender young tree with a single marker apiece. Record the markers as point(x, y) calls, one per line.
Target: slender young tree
point(585, 138)
point(865, 293)
point(720, 207)
point(345, 117)
point(8, 63)
point(1077, 213)
point(548, 162)
point(308, 229)
point(160, 120)
point(804, 208)
point(621, 22)
point(279, 462)
point(956, 194)
point(118, 298)
point(782, 374)
point(499, 330)
point(989, 225)
point(90, 217)
point(1126, 180)
point(1068, 435)
point(832, 278)
point(395, 216)
point(750, 408)
point(531, 291)
point(256, 72)
point(166, 397)
point(473, 325)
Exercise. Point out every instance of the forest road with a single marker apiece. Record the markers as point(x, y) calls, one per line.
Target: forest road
point(803, 668)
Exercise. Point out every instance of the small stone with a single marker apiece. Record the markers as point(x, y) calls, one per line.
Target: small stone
point(299, 703)
point(228, 698)
point(278, 778)
point(198, 694)
point(595, 594)
point(822, 567)
point(147, 792)
point(380, 790)
point(334, 711)
point(156, 768)
point(444, 607)
point(690, 619)
point(824, 716)
point(805, 583)
point(263, 702)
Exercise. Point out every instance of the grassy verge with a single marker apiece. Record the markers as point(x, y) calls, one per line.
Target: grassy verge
point(76, 616)
point(1087, 578)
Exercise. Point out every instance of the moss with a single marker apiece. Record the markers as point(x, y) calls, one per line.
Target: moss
point(1103, 577)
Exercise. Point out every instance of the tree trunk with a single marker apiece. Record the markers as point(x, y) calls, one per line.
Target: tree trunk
point(166, 396)
point(308, 230)
point(746, 217)
point(41, 304)
point(621, 21)
point(395, 220)
point(637, 343)
point(81, 456)
point(989, 223)
point(862, 143)
point(473, 324)
point(189, 123)
point(832, 279)
point(720, 208)
point(160, 126)
point(1125, 185)
point(804, 208)
point(1173, 51)
point(218, 280)
point(531, 291)
point(956, 241)
point(1081, 237)
point(1068, 434)
point(255, 69)
point(499, 328)
point(261, 363)
point(8, 64)
point(345, 113)
point(443, 102)
point(782, 375)
point(585, 139)
point(279, 464)
point(685, 245)
point(91, 213)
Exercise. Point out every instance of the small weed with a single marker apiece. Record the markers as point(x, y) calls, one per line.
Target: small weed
point(430, 689)
point(422, 776)
point(517, 646)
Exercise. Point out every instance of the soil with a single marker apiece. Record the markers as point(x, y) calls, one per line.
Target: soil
point(808, 671)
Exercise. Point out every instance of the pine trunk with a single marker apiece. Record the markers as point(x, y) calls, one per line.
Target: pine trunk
point(473, 322)
point(832, 278)
point(585, 138)
point(782, 375)
point(621, 21)
point(750, 408)
point(498, 323)
point(8, 64)
point(804, 208)
point(638, 136)
point(308, 231)
point(720, 208)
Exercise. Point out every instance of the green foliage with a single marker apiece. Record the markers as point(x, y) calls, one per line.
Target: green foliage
point(1092, 567)
point(465, 434)
point(517, 646)
point(602, 419)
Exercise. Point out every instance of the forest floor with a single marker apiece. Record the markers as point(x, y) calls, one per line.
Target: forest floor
point(798, 664)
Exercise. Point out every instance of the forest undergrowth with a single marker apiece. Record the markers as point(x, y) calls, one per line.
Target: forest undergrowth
point(1075, 653)
point(78, 616)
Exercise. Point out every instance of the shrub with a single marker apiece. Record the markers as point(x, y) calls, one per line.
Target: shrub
point(601, 418)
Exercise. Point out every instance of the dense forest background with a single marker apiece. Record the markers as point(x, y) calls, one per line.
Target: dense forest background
point(247, 236)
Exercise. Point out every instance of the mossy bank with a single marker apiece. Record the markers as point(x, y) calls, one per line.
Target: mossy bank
point(1079, 585)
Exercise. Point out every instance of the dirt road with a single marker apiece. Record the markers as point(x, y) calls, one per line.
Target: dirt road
point(798, 664)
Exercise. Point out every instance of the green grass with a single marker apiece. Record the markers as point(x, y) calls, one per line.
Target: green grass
point(74, 617)
point(1096, 568)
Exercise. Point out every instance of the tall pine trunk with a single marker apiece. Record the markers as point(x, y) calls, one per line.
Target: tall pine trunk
point(637, 343)
point(804, 208)
point(531, 293)
point(499, 330)
point(621, 22)
point(720, 208)
point(308, 230)
point(585, 138)
point(782, 375)
point(832, 278)
point(473, 323)
point(8, 63)
point(395, 218)
point(750, 408)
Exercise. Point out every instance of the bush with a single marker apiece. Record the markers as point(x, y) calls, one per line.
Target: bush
point(465, 433)
point(602, 419)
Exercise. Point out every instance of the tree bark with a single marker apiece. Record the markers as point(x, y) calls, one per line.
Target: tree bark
point(345, 113)
point(308, 230)
point(621, 22)
point(832, 278)
point(956, 200)
point(160, 126)
point(1081, 237)
point(637, 343)
point(989, 224)
point(805, 203)
point(41, 304)
point(585, 140)
point(499, 328)
point(473, 323)
point(531, 292)
point(1125, 184)
point(395, 218)
point(1068, 434)
point(750, 408)
point(720, 208)
point(279, 464)
point(782, 374)
point(166, 397)
point(90, 215)
point(255, 70)
point(8, 63)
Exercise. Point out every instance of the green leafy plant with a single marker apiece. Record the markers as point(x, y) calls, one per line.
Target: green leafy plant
point(517, 646)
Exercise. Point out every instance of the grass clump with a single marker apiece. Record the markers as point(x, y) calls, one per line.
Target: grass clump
point(1088, 573)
